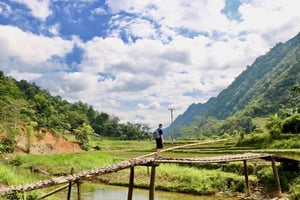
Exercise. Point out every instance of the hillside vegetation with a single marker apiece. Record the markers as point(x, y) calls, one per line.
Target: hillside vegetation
point(27, 109)
point(267, 90)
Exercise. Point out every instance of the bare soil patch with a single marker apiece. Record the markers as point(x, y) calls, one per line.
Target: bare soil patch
point(45, 142)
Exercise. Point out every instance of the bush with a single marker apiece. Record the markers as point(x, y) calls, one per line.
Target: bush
point(286, 143)
point(291, 124)
point(266, 177)
point(295, 189)
point(20, 197)
point(254, 140)
point(7, 145)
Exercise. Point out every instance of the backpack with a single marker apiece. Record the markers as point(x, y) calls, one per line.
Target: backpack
point(156, 134)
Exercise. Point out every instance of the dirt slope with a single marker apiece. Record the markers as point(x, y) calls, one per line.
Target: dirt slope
point(46, 142)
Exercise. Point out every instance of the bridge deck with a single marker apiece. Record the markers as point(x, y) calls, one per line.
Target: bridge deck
point(81, 175)
point(139, 161)
point(216, 159)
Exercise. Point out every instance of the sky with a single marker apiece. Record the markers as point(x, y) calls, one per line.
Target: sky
point(137, 59)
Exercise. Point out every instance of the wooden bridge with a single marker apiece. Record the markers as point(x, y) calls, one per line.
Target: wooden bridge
point(144, 161)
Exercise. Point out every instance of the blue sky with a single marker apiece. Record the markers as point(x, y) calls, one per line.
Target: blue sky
point(136, 58)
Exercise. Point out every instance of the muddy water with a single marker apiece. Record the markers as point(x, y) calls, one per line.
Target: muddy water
point(104, 192)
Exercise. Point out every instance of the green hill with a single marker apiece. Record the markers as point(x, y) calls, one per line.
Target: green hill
point(26, 107)
point(260, 90)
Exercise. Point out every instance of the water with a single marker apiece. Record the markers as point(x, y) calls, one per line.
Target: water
point(105, 192)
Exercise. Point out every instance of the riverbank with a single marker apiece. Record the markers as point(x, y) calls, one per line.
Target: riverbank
point(199, 179)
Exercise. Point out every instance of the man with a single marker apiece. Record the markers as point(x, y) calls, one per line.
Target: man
point(159, 141)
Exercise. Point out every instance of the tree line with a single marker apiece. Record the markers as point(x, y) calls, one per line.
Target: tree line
point(25, 104)
point(285, 121)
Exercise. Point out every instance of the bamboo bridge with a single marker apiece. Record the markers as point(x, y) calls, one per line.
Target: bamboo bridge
point(78, 178)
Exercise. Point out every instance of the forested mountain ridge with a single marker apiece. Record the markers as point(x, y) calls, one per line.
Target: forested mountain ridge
point(259, 90)
point(25, 105)
point(263, 86)
point(190, 114)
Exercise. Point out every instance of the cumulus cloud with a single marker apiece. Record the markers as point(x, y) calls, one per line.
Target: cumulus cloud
point(142, 56)
point(39, 8)
point(30, 50)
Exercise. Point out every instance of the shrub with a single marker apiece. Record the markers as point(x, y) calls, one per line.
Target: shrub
point(286, 143)
point(291, 124)
point(7, 145)
point(254, 140)
point(295, 189)
point(266, 177)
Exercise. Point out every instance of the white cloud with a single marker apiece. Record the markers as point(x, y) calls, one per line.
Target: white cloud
point(150, 106)
point(54, 30)
point(39, 8)
point(30, 50)
point(175, 53)
point(275, 20)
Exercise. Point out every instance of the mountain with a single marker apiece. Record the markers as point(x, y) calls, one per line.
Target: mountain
point(259, 90)
point(189, 115)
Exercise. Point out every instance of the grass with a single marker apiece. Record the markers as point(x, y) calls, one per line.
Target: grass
point(197, 179)
point(60, 164)
point(185, 179)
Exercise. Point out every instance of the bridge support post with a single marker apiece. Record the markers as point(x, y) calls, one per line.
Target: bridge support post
point(131, 183)
point(78, 182)
point(152, 182)
point(70, 185)
point(276, 176)
point(246, 178)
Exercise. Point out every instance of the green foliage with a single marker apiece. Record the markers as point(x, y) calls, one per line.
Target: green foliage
point(270, 83)
point(288, 172)
point(254, 140)
point(274, 126)
point(266, 177)
point(63, 162)
point(23, 103)
point(21, 196)
point(204, 182)
point(82, 135)
point(291, 124)
point(7, 145)
point(295, 189)
point(292, 142)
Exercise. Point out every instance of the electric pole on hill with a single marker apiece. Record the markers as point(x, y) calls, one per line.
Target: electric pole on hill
point(172, 136)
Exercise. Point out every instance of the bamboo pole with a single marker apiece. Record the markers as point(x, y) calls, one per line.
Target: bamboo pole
point(131, 183)
point(78, 182)
point(53, 192)
point(246, 178)
point(276, 176)
point(182, 146)
point(152, 183)
point(70, 185)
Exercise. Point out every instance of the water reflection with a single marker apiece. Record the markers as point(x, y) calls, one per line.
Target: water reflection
point(104, 192)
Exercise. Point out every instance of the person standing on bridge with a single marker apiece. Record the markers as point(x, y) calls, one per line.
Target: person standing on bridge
point(159, 141)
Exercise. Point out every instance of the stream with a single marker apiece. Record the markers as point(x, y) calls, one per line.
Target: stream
point(107, 192)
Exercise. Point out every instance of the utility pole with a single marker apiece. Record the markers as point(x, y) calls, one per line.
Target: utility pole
point(172, 136)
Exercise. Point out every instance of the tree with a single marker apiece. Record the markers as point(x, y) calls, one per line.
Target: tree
point(274, 126)
point(82, 134)
point(291, 124)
